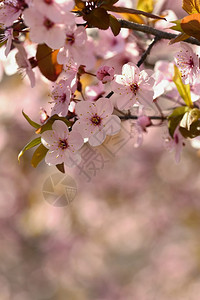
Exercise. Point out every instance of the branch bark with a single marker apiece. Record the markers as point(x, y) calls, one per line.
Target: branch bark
point(158, 33)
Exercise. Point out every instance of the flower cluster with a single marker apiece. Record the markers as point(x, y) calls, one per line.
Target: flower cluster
point(99, 78)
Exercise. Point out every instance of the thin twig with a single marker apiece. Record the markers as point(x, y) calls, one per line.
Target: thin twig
point(156, 32)
point(130, 117)
point(147, 51)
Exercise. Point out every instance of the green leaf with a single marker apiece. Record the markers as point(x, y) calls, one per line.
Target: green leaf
point(61, 167)
point(32, 123)
point(177, 25)
point(48, 124)
point(183, 89)
point(47, 62)
point(114, 25)
point(30, 145)
point(175, 118)
point(38, 155)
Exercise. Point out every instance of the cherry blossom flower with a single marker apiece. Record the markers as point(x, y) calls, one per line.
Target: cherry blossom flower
point(75, 38)
point(94, 92)
point(10, 10)
point(24, 63)
point(164, 72)
point(175, 144)
point(56, 10)
point(43, 29)
point(63, 145)
point(7, 36)
point(139, 127)
point(105, 74)
point(133, 86)
point(61, 95)
point(188, 63)
point(96, 120)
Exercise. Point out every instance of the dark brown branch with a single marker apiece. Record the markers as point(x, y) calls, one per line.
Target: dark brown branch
point(158, 33)
point(148, 50)
point(130, 117)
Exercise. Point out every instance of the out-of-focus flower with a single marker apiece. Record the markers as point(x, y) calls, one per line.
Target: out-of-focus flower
point(7, 36)
point(175, 144)
point(164, 72)
point(62, 144)
point(94, 92)
point(76, 47)
point(133, 86)
point(24, 63)
point(10, 10)
point(56, 9)
point(43, 29)
point(96, 120)
point(61, 95)
point(105, 74)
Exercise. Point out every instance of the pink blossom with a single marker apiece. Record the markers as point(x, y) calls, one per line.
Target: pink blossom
point(56, 10)
point(24, 63)
point(138, 128)
point(164, 72)
point(8, 35)
point(109, 45)
point(43, 29)
point(188, 63)
point(133, 86)
point(61, 95)
point(96, 120)
point(75, 38)
point(94, 92)
point(62, 144)
point(10, 10)
point(175, 144)
point(105, 74)
point(76, 47)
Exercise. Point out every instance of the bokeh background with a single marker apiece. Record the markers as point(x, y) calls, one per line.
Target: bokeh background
point(131, 233)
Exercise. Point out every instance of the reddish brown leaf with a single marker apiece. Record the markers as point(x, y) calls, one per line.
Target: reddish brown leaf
point(191, 25)
point(47, 62)
point(98, 17)
point(114, 25)
point(191, 6)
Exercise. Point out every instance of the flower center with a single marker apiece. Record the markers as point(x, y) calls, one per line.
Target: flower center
point(48, 23)
point(63, 98)
point(96, 120)
point(134, 87)
point(48, 1)
point(63, 144)
point(70, 39)
point(191, 62)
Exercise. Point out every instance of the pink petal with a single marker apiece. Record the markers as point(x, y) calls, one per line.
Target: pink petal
point(75, 140)
point(61, 129)
point(113, 125)
point(104, 107)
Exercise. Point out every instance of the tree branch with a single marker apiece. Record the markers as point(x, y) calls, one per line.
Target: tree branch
point(147, 52)
point(130, 117)
point(158, 33)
